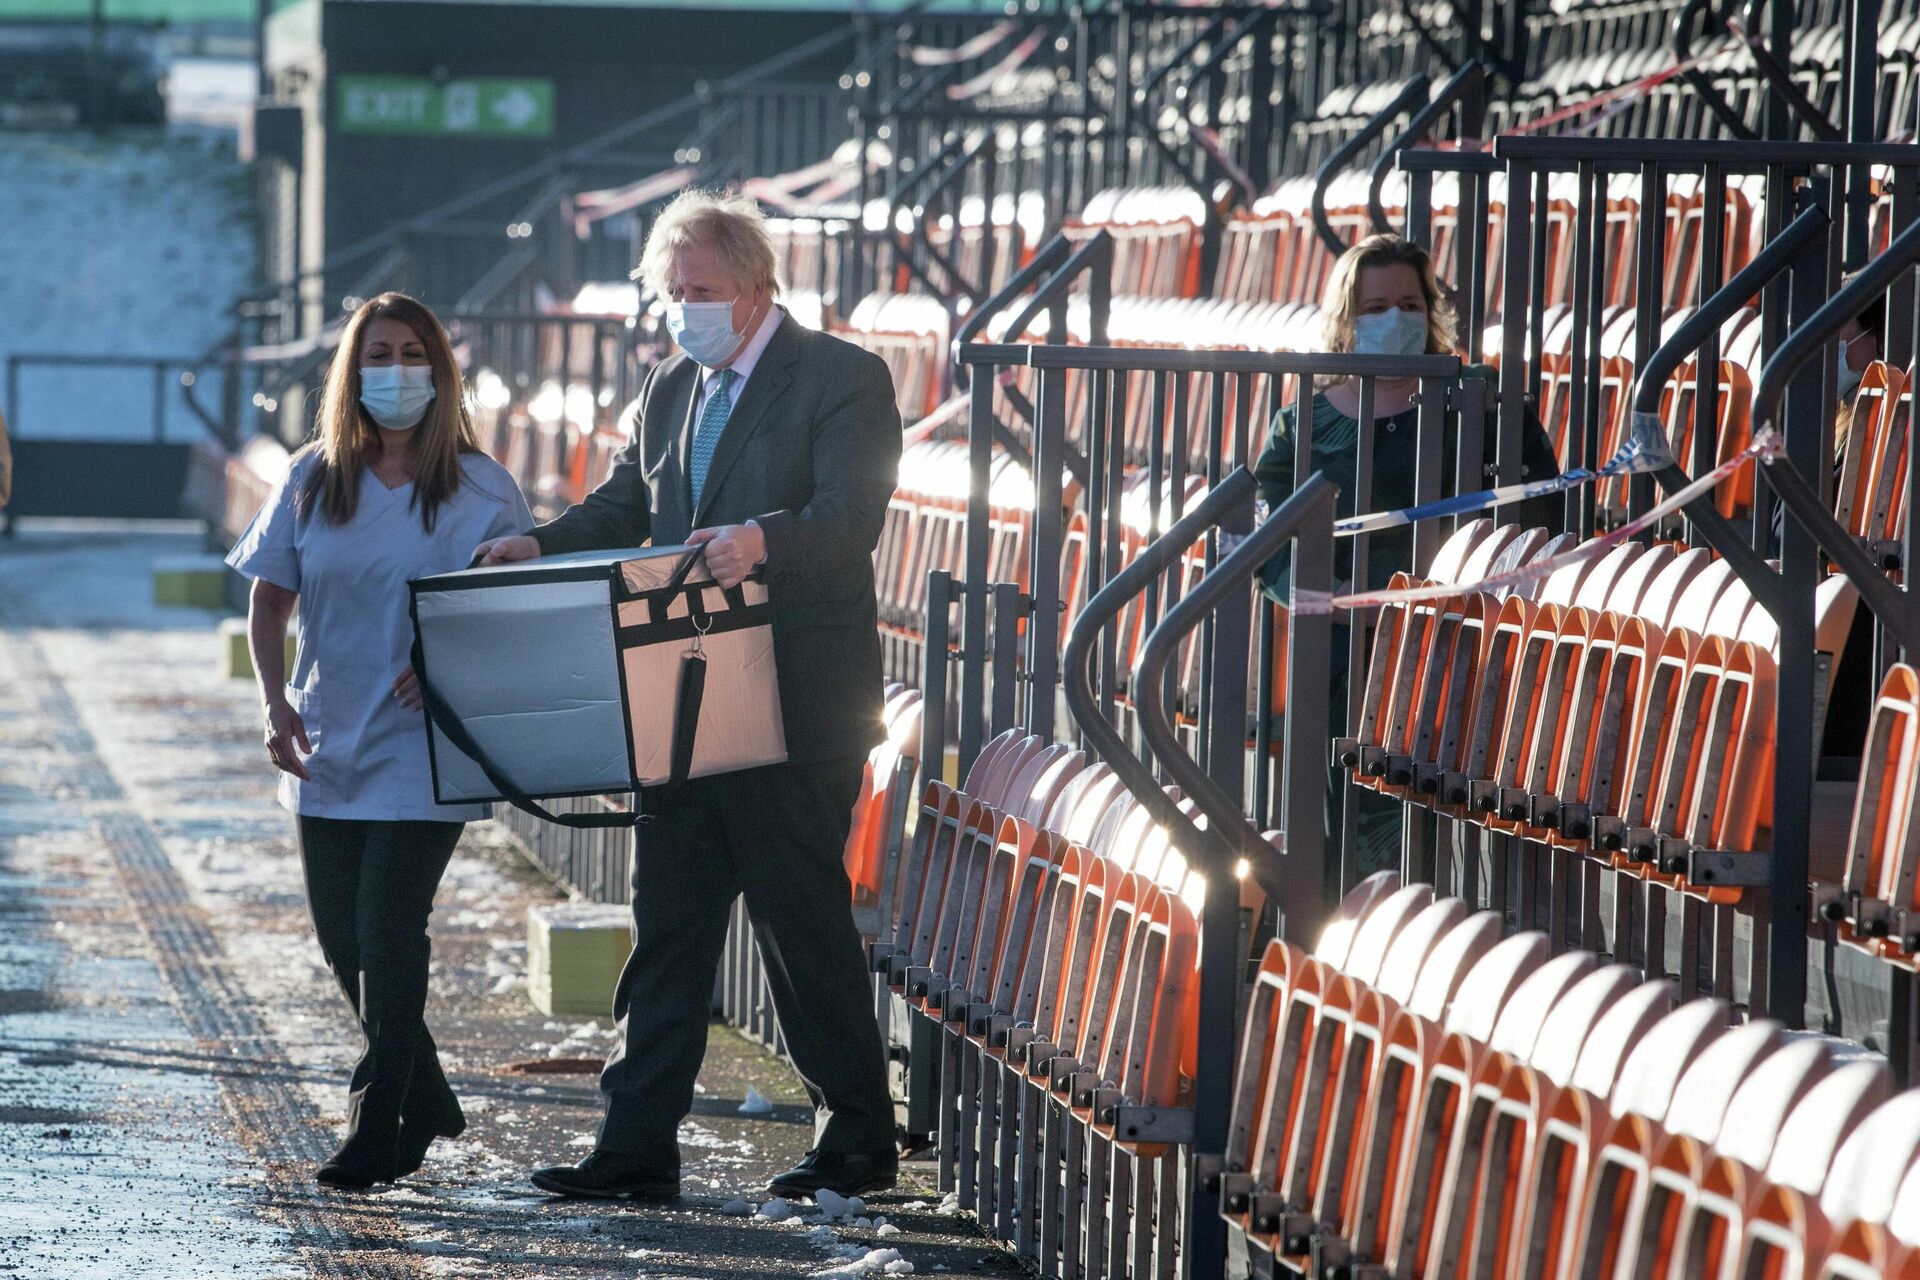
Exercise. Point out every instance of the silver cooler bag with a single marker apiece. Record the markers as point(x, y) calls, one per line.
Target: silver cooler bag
point(591, 674)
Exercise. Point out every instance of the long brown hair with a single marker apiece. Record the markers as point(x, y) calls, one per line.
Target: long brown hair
point(1343, 291)
point(347, 440)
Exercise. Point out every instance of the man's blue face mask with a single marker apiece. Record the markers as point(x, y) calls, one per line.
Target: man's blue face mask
point(705, 330)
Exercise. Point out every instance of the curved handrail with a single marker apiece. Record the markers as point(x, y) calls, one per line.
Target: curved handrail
point(1046, 258)
point(954, 171)
point(1781, 81)
point(1313, 498)
point(1683, 28)
point(1415, 90)
point(1471, 78)
point(1098, 247)
point(1083, 642)
point(1178, 58)
point(1774, 257)
point(1808, 339)
point(1895, 608)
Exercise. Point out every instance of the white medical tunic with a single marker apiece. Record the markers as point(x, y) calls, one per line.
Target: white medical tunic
point(369, 756)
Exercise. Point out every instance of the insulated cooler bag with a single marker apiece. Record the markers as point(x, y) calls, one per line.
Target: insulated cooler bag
point(593, 673)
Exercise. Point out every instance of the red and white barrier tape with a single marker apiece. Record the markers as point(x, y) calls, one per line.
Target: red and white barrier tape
point(1321, 603)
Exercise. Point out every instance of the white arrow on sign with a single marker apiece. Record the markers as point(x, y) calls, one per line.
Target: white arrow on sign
point(516, 108)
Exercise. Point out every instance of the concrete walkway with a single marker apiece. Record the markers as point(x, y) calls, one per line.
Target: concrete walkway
point(172, 1052)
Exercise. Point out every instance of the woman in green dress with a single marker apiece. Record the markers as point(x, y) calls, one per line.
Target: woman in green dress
point(1382, 299)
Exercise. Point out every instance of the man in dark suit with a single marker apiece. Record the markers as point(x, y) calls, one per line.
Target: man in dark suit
point(778, 448)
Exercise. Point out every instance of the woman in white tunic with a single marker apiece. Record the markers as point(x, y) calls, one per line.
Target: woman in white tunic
point(393, 488)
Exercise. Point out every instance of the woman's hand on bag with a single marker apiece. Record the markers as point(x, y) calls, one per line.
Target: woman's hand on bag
point(406, 690)
point(519, 546)
point(285, 730)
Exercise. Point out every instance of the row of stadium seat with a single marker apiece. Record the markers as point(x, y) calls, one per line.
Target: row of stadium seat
point(1042, 945)
point(1443, 1100)
point(1448, 1102)
point(1622, 706)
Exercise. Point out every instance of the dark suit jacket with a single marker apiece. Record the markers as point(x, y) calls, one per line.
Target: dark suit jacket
point(811, 452)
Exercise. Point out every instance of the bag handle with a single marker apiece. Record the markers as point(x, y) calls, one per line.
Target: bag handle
point(683, 569)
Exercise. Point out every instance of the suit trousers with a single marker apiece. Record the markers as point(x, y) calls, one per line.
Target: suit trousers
point(777, 835)
point(370, 887)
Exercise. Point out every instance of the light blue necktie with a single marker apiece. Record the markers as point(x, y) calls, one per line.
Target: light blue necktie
point(706, 433)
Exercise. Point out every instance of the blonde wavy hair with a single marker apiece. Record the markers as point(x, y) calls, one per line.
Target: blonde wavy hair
point(1340, 303)
point(347, 440)
point(726, 221)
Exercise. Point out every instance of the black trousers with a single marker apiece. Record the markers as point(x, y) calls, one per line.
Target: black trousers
point(370, 887)
point(777, 835)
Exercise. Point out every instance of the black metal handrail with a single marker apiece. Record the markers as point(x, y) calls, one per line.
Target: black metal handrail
point(1780, 80)
point(1082, 647)
point(1466, 89)
point(1896, 609)
point(1414, 91)
point(1774, 258)
point(1062, 263)
point(1683, 28)
point(1046, 259)
point(942, 180)
point(1732, 155)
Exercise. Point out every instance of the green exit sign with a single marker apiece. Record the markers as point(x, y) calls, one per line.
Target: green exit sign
point(520, 107)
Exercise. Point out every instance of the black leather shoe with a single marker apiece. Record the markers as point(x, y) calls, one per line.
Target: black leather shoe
point(360, 1162)
point(845, 1173)
point(605, 1175)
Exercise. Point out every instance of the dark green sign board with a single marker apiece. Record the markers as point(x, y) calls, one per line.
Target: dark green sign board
point(519, 107)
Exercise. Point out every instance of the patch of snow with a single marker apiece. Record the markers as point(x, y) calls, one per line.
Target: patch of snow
point(886, 1229)
point(872, 1263)
point(775, 1210)
point(735, 1208)
point(756, 1104)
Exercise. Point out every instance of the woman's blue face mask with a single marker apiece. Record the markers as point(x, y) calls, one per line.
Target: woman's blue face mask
point(1396, 331)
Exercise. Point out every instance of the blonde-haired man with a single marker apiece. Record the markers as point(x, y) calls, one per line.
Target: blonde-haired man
point(777, 447)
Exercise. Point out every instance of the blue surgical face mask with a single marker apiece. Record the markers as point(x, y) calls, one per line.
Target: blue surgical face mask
point(1394, 332)
point(705, 330)
point(396, 395)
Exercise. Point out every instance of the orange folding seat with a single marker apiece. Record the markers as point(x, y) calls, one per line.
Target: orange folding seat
point(1393, 978)
point(1266, 1020)
point(1487, 1214)
point(956, 933)
point(1785, 1231)
point(1677, 1149)
point(1865, 1180)
point(923, 878)
point(1497, 695)
point(1614, 684)
point(1870, 491)
point(1728, 1186)
point(1608, 1226)
point(1525, 731)
point(1883, 844)
point(1423, 973)
point(1437, 1174)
